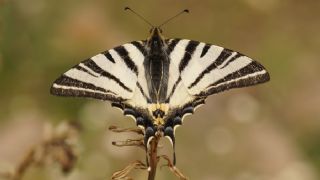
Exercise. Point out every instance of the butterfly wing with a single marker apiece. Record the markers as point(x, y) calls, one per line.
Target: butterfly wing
point(198, 70)
point(206, 69)
point(115, 75)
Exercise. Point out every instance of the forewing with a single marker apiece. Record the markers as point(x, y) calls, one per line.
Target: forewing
point(206, 69)
point(116, 75)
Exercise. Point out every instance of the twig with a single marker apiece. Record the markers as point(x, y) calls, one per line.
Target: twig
point(152, 154)
point(123, 174)
point(173, 169)
point(118, 130)
point(129, 142)
point(23, 166)
point(56, 147)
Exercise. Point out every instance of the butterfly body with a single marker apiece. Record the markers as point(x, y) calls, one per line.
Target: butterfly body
point(159, 81)
point(156, 66)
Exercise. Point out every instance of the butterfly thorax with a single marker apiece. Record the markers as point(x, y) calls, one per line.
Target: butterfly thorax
point(156, 66)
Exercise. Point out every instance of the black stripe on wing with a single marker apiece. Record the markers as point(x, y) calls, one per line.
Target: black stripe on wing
point(173, 89)
point(143, 93)
point(171, 45)
point(94, 67)
point(124, 54)
point(190, 49)
point(237, 79)
point(205, 50)
point(224, 55)
point(84, 70)
point(232, 59)
point(66, 86)
point(108, 56)
point(140, 46)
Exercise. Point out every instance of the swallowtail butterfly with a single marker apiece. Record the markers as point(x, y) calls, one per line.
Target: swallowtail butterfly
point(159, 81)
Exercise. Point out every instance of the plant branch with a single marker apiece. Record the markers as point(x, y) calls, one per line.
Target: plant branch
point(123, 174)
point(172, 168)
point(152, 153)
point(56, 147)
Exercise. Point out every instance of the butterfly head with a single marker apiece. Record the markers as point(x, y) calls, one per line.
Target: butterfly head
point(156, 39)
point(155, 30)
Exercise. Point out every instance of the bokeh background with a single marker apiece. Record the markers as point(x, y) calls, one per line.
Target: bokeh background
point(267, 132)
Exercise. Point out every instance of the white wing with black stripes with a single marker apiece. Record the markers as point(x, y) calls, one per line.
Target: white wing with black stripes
point(198, 70)
point(116, 75)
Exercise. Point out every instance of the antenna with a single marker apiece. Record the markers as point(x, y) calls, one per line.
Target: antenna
point(141, 17)
point(184, 11)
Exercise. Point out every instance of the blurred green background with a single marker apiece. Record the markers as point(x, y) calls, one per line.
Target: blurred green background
point(267, 132)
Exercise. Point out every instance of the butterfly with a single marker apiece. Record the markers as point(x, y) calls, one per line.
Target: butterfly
point(159, 81)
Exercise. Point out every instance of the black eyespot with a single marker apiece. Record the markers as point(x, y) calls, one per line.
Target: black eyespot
point(128, 111)
point(177, 121)
point(188, 109)
point(149, 132)
point(140, 121)
point(168, 131)
point(160, 30)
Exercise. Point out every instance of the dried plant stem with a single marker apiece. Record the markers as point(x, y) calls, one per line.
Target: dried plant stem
point(23, 166)
point(123, 174)
point(153, 154)
point(172, 168)
point(56, 148)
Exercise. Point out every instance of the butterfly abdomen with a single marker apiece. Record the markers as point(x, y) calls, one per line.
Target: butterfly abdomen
point(157, 69)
